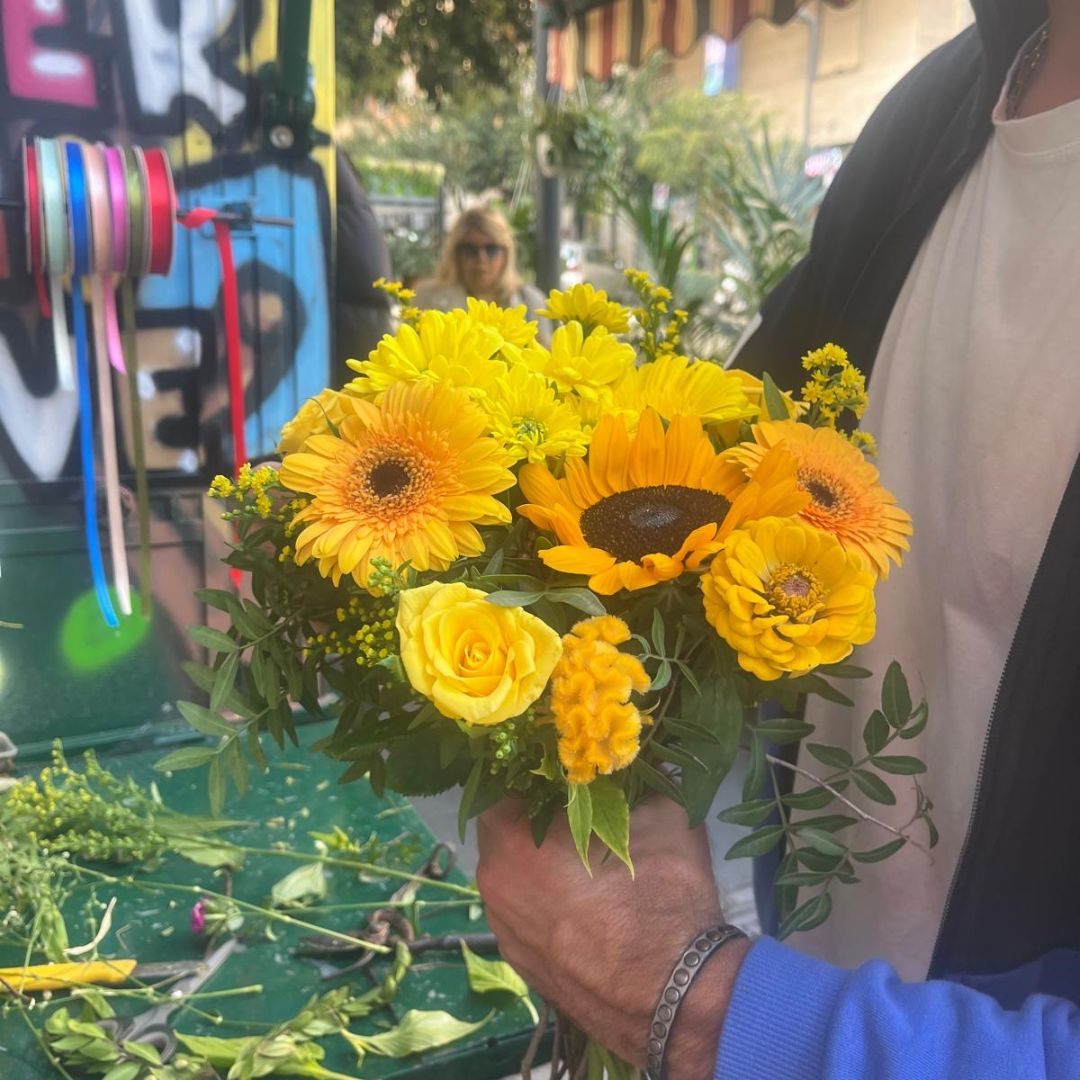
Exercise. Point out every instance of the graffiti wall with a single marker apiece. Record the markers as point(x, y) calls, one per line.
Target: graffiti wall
point(178, 74)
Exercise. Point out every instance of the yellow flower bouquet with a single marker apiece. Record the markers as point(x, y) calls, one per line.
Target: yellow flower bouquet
point(569, 574)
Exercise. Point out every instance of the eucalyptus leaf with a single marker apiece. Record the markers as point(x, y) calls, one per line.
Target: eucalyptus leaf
point(581, 598)
point(418, 1032)
point(513, 598)
point(659, 633)
point(491, 976)
point(304, 884)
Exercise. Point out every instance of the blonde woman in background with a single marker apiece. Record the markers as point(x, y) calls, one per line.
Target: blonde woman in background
point(478, 260)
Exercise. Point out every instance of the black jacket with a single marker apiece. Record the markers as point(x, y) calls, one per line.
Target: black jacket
point(1016, 893)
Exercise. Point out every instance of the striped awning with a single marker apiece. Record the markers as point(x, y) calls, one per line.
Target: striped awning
point(593, 41)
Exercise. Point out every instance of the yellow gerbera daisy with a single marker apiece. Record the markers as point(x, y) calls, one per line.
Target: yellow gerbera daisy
point(589, 365)
point(674, 386)
point(407, 480)
point(316, 416)
point(646, 507)
point(788, 598)
point(445, 347)
point(589, 306)
point(528, 419)
point(847, 498)
point(599, 729)
point(512, 324)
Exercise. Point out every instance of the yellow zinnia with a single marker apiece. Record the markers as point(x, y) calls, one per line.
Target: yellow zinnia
point(587, 365)
point(512, 324)
point(448, 348)
point(407, 480)
point(599, 729)
point(644, 508)
point(847, 498)
point(589, 306)
point(788, 598)
point(675, 386)
point(530, 421)
point(316, 416)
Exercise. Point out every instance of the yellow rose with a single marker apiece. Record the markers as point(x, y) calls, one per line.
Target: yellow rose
point(475, 661)
point(315, 417)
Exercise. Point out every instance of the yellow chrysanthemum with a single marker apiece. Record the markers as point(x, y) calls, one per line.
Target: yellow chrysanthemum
point(317, 416)
point(587, 365)
point(512, 324)
point(530, 421)
point(675, 386)
point(589, 306)
point(787, 598)
point(448, 348)
point(406, 480)
point(847, 498)
point(599, 729)
point(644, 508)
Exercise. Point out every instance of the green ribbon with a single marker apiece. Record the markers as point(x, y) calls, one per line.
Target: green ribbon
point(142, 488)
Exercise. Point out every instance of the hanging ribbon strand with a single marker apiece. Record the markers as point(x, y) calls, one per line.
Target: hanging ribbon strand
point(50, 175)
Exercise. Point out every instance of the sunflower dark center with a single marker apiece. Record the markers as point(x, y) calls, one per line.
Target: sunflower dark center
point(650, 520)
point(389, 478)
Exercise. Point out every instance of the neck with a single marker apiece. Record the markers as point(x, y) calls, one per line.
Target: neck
point(1057, 81)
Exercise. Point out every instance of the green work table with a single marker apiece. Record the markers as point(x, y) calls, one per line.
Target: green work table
point(299, 795)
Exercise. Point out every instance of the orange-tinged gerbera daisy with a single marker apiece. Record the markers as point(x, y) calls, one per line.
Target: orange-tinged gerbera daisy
point(644, 508)
point(407, 480)
point(847, 498)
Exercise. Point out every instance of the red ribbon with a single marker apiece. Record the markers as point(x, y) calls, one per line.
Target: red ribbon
point(161, 200)
point(34, 228)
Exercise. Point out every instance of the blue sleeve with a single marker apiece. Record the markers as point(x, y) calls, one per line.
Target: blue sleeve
point(794, 1018)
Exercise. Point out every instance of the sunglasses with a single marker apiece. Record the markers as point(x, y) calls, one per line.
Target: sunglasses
point(472, 251)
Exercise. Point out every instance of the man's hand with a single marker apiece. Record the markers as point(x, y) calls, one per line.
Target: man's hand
point(601, 949)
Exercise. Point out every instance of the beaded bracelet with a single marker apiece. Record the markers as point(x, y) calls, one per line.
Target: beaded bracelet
point(690, 963)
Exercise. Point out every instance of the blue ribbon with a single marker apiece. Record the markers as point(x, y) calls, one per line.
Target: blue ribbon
point(80, 232)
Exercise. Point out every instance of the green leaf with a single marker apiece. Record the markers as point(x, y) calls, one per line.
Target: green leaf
point(203, 677)
point(813, 798)
point(611, 817)
point(468, 795)
point(756, 770)
point(128, 1070)
point(876, 733)
point(719, 709)
point(835, 757)
point(873, 787)
point(581, 598)
point(899, 764)
point(215, 640)
point(822, 841)
point(579, 813)
point(784, 730)
point(255, 749)
point(143, 1051)
point(221, 1053)
point(774, 401)
point(817, 861)
point(828, 822)
point(662, 676)
point(918, 721)
point(895, 696)
point(815, 684)
point(676, 755)
point(513, 598)
point(659, 633)
point(752, 812)
point(417, 1032)
point(494, 976)
point(187, 757)
point(413, 766)
point(879, 854)
point(806, 916)
point(304, 884)
point(686, 729)
point(223, 681)
point(845, 671)
point(759, 842)
point(800, 878)
point(203, 720)
point(237, 765)
point(217, 598)
point(216, 785)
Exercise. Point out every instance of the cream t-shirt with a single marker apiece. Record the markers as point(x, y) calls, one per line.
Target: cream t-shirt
point(975, 402)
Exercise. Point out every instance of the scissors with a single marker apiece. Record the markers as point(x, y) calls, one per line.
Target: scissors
point(151, 1028)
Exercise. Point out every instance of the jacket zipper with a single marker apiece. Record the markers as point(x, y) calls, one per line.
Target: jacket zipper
point(939, 942)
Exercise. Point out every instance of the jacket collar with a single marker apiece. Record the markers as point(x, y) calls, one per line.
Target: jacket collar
point(1004, 26)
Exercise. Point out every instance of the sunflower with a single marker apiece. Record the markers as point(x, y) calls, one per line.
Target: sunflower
point(589, 306)
point(588, 365)
point(530, 422)
point(512, 324)
point(674, 385)
point(406, 480)
point(787, 598)
point(445, 347)
point(646, 507)
point(847, 498)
